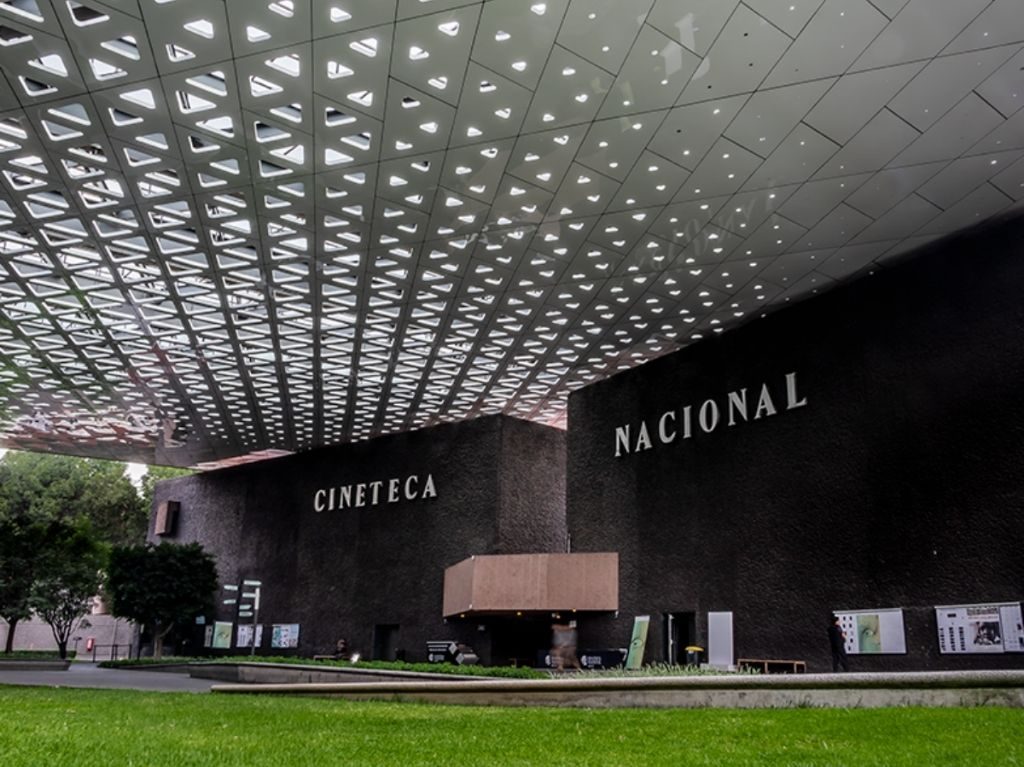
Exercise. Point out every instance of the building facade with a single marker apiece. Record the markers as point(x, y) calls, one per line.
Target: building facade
point(857, 454)
point(352, 542)
point(860, 453)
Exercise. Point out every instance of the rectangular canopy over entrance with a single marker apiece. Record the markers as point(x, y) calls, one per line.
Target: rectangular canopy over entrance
point(506, 583)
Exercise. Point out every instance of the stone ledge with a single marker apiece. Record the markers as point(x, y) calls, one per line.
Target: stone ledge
point(34, 665)
point(293, 673)
point(970, 688)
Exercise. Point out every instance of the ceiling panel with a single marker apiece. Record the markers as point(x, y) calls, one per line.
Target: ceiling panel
point(830, 43)
point(242, 226)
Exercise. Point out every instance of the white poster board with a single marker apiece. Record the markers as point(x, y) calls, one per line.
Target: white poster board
point(720, 644)
point(284, 635)
point(244, 638)
point(873, 632)
point(984, 628)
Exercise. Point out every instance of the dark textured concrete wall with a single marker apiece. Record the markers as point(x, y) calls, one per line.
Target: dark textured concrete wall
point(340, 573)
point(532, 489)
point(898, 485)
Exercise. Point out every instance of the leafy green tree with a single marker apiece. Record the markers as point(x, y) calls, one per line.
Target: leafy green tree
point(67, 577)
point(38, 491)
point(38, 486)
point(159, 586)
point(20, 543)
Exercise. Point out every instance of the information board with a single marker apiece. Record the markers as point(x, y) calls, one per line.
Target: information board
point(284, 635)
point(244, 638)
point(983, 628)
point(873, 632)
point(222, 635)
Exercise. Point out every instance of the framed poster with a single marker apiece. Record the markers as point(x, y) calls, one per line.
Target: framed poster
point(873, 632)
point(244, 638)
point(984, 628)
point(284, 635)
point(222, 631)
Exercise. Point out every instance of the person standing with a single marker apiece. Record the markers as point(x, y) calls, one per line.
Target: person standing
point(563, 646)
point(837, 642)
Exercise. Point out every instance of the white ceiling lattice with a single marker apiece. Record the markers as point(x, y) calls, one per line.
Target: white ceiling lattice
point(234, 225)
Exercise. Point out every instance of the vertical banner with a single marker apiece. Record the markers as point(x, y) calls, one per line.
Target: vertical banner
point(637, 644)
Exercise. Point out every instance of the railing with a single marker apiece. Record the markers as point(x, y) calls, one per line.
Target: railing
point(112, 651)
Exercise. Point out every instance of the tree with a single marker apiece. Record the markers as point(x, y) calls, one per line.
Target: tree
point(67, 577)
point(38, 486)
point(38, 491)
point(20, 543)
point(159, 586)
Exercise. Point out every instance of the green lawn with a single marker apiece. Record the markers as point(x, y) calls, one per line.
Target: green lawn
point(56, 727)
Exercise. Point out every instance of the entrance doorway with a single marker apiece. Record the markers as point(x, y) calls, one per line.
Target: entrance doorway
point(680, 633)
point(520, 641)
point(385, 642)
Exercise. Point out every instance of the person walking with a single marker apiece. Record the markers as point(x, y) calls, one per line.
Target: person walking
point(837, 642)
point(563, 646)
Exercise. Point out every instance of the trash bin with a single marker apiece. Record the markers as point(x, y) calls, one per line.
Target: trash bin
point(694, 655)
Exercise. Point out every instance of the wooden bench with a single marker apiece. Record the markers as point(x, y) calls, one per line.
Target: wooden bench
point(772, 666)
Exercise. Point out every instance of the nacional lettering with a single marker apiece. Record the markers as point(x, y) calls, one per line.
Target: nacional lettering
point(737, 407)
point(361, 494)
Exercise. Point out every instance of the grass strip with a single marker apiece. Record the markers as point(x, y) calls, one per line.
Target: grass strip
point(87, 728)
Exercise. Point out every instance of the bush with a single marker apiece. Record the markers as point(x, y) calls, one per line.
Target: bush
point(501, 672)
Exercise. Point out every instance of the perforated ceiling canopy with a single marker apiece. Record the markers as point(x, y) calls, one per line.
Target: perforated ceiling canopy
point(228, 227)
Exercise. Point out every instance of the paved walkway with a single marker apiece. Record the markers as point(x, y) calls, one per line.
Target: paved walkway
point(82, 674)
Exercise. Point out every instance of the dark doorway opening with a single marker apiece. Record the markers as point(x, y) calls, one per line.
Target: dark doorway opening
point(680, 633)
point(385, 642)
point(519, 641)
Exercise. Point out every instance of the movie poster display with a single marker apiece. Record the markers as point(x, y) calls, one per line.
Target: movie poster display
point(244, 638)
point(991, 628)
point(285, 635)
point(222, 631)
point(873, 632)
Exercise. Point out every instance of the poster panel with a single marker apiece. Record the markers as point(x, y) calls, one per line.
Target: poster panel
point(208, 636)
point(244, 638)
point(284, 635)
point(873, 632)
point(981, 628)
point(222, 631)
point(1013, 627)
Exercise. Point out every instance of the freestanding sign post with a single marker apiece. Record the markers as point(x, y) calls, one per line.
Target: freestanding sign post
point(254, 595)
point(244, 609)
point(638, 643)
